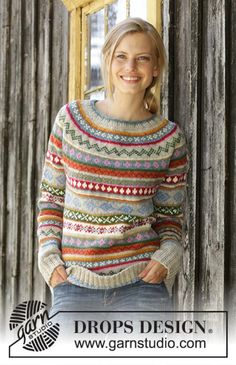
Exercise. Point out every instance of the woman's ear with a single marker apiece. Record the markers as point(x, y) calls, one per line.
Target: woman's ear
point(155, 71)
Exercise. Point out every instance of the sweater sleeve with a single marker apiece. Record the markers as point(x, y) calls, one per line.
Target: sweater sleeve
point(169, 208)
point(51, 202)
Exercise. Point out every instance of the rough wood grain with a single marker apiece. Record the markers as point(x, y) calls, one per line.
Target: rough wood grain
point(74, 4)
point(230, 211)
point(186, 72)
point(4, 91)
point(75, 58)
point(60, 45)
point(164, 107)
point(194, 95)
point(43, 105)
point(28, 124)
point(34, 68)
point(213, 158)
point(14, 156)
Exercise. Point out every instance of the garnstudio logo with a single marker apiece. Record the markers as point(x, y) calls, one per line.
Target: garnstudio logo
point(33, 325)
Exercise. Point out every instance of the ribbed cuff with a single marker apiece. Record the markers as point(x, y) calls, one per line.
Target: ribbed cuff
point(169, 255)
point(48, 264)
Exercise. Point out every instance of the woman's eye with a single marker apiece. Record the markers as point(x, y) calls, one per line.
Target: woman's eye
point(138, 59)
point(120, 56)
point(143, 58)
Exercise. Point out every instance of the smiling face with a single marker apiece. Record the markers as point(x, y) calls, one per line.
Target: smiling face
point(133, 64)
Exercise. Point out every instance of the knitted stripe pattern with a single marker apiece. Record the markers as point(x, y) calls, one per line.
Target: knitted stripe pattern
point(111, 197)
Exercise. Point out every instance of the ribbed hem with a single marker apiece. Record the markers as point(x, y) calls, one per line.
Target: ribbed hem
point(81, 276)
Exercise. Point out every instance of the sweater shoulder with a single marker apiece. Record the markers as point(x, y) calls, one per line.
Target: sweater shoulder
point(76, 109)
point(180, 144)
point(61, 115)
point(177, 132)
point(76, 103)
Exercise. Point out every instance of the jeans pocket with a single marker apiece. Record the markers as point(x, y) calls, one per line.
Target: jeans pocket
point(61, 284)
point(145, 282)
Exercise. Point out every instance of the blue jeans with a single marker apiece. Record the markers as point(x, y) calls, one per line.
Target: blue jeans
point(139, 296)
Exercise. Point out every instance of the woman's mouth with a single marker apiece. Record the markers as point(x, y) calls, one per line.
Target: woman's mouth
point(131, 79)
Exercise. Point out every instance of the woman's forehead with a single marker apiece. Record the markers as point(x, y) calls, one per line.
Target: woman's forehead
point(138, 42)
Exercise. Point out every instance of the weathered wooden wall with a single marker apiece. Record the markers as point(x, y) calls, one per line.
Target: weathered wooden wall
point(230, 287)
point(199, 92)
point(33, 86)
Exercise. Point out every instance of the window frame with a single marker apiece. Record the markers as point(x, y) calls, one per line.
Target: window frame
point(91, 8)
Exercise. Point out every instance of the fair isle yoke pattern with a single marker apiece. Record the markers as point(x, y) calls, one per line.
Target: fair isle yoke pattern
point(111, 197)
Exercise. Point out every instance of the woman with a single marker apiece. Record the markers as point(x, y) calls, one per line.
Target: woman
point(113, 186)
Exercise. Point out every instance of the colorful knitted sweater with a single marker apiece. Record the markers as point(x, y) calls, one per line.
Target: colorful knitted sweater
point(111, 197)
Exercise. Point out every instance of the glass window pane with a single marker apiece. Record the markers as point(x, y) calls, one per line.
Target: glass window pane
point(116, 13)
point(95, 41)
point(138, 8)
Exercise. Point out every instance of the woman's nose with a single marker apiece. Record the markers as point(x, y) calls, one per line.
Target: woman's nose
point(130, 64)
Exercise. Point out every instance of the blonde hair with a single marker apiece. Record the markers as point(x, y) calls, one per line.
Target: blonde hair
point(114, 37)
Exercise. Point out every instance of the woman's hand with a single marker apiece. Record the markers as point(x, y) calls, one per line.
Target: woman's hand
point(154, 272)
point(59, 275)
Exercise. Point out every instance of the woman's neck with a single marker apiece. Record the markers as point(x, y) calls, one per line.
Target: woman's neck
point(127, 107)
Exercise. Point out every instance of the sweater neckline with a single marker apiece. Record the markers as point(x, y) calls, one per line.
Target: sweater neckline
point(112, 119)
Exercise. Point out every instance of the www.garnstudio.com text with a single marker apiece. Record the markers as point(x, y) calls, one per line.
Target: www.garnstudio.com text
point(162, 343)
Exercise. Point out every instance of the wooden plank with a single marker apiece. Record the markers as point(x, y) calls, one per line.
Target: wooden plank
point(186, 76)
point(59, 65)
point(4, 92)
point(43, 110)
point(84, 37)
point(154, 16)
point(13, 191)
point(75, 4)
point(75, 55)
point(164, 95)
point(60, 57)
point(69, 4)
point(95, 6)
point(154, 13)
point(230, 214)
point(27, 147)
point(213, 158)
